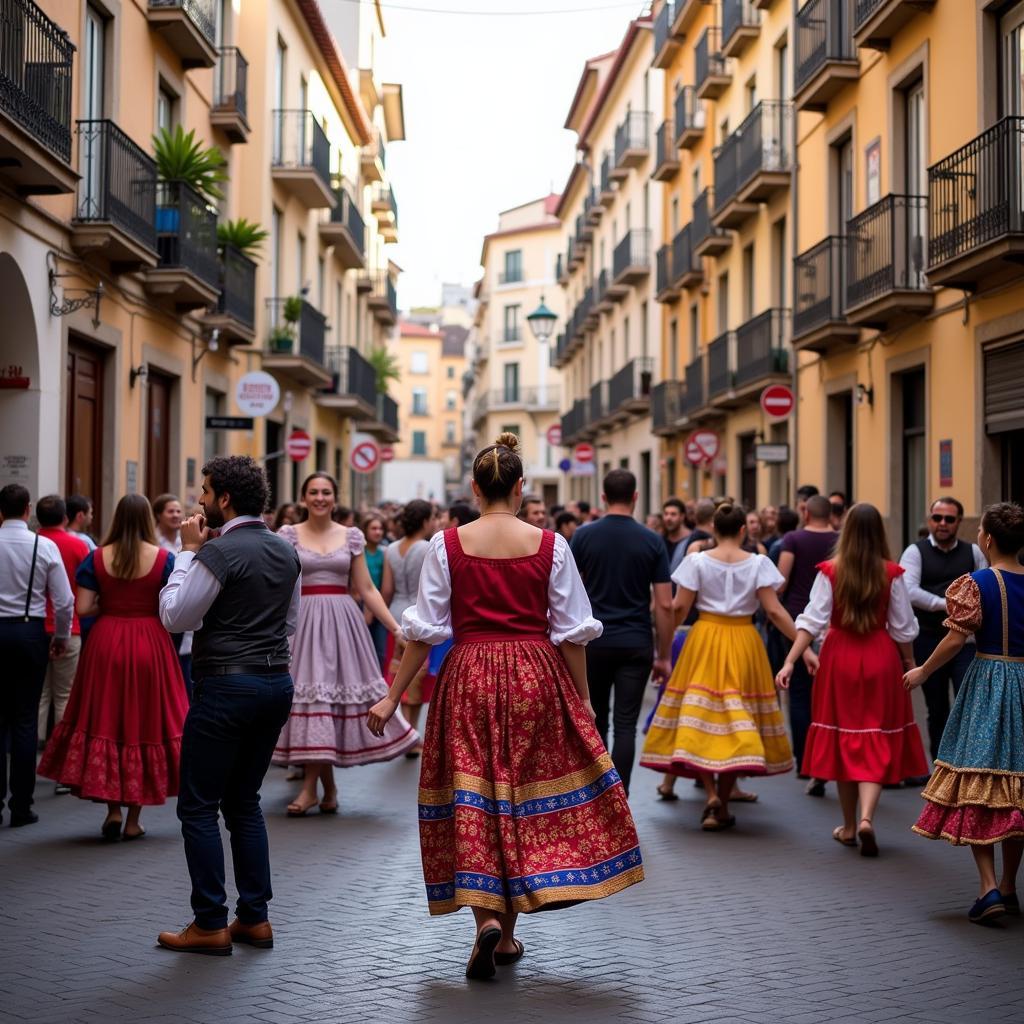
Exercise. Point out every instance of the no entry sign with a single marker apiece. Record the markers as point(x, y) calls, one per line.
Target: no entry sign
point(702, 447)
point(583, 453)
point(387, 453)
point(298, 445)
point(554, 435)
point(777, 401)
point(365, 457)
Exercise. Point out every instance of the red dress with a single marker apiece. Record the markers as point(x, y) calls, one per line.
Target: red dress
point(862, 720)
point(520, 807)
point(120, 740)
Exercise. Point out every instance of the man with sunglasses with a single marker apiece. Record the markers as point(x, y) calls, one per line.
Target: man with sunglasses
point(931, 565)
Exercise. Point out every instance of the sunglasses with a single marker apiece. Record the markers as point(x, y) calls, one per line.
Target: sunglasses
point(948, 520)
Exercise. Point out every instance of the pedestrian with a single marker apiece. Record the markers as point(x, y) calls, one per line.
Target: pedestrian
point(720, 714)
point(286, 515)
point(239, 592)
point(862, 733)
point(655, 524)
point(168, 513)
point(673, 515)
point(80, 516)
point(931, 565)
point(702, 534)
point(566, 525)
point(461, 514)
point(801, 553)
point(788, 521)
point(752, 542)
point(376, 544)
point(622, 565)
point(802, 494)
point(51, 513)
point(32, 575)
point(769, 526)
point(120, 739)
point(335, 673)
point(837, 509)
point(342, 516)
point(975, 796)
point(521, 808)
point(533, 512)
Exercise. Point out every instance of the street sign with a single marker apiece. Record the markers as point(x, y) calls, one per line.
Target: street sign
point(702, 447)
point(365, 457)
point(583, 469)
point(583, 453)
point(387, 453)
point(298, 445)
point(774, 453)
point(777, 401)
point(257, 393)
point(229, 423)
point(554, 435)
point(565, 465)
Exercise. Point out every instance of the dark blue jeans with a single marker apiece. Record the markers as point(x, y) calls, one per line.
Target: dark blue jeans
point(801, 685)
point(936, 689)
point(230, 732)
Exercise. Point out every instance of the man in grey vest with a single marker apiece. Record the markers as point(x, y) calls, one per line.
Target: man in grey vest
point(236, 585)
point(930, 565)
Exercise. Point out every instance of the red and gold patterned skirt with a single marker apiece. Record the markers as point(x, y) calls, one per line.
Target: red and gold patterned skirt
point(520, 807)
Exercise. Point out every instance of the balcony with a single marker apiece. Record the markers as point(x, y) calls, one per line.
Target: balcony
point(632, 143)
point(35, 102)
point(115, 215)
point(296, 348)
point(235, 316)
point(819, 288)
point(762, 354)
point(373, 159)
point(573, 255)
point(574, 422)
point(754, 163)
point(666, 162)
point(666, 45)
point(629, 390)
point(708, 239)
point(190, 28)
point(559, 354)
point(301, 163)
point(562, 270)
point(598, 409)
point(584, 232)
point(631, 261)
point(188, 273)
point(591, 314)
point(611, 292)
point(384, 423)
point(514, 275)
point(532, 399)
point(686, 14)
point(594, 209)
point(875, 22)
point(976, 202)
point(383, 298)
point(606, 196)
point(230, 104)
point(741, 25)
point(826, 57)
point(687, 269)
point(721, 368)
point(345, 230)
point(353, 387)
point(692, 400)
point(713, 75)
point(885, 263)
point(666, 405)
point(666, 286)
point(690, 118)
point(385, 209)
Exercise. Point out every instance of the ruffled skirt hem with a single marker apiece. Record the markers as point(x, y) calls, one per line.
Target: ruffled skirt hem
point(972, 806)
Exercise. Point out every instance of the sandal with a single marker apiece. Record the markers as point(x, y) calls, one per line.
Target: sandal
point(111, 830)
point(711, 808)
point(329, 806)
point(868, 842)
point(481, 962)
point(837, 835)
point(668, 795)
point(743, 796)
point(714, 824)
point(507, 959)
point(297, 810)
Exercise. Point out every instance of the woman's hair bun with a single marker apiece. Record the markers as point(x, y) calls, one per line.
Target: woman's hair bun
point(508, 440)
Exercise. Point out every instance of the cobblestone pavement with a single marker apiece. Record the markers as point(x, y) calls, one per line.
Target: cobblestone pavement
point(770, 922)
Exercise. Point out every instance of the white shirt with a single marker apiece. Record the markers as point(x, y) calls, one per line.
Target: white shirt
point(921, 599)
point(570, 617)
point(901, 621)
point(191, 590)
point(49, 580)
point(727, 588)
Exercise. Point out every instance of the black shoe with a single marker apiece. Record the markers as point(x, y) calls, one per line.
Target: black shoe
point(61, 790)
point(28, 818)
point(916, 780)
point(816, 787)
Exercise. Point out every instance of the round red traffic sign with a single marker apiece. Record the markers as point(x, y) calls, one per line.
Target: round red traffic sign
point(365, 457)
point(554, 435)
point(702, 447)
point(777, 401)
point(298, 445)
point(583, 453)
point(387, 453)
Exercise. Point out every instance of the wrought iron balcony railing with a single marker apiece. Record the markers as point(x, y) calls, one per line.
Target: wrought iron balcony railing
point(299, 141)
point(693, 397)
point(684, 264)
point(736, 15)
point(823, 33)
point(353, 375)
point(574, 421)
point(762, 142)
point(202, 14)
point(665, 277)
point(237, 286)
point(709, 59)
point(819, 285)
point(690, 116)
point(599, 404)
point(346, 212)
point(721, 364)
point(886, 248)
point(231, 81)
point(632, 135)
point(631, 384)
point(305, 337)
point(762, 347)
point(186, 231)
point(632, 251)
point(666, 404)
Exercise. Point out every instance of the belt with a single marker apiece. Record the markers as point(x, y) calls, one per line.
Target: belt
point(23, 618)
point(240, 670)
point(322, 589)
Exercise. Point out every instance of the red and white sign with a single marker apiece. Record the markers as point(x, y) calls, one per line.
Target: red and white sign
point(777, 401)
point(298, 445)
point(702, 447)
point(257, 394)
point(387, 453)
point(365, 457)
point(554, 435)
point(583, 453)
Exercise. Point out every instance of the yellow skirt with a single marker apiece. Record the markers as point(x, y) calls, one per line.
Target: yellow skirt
point(719, 712)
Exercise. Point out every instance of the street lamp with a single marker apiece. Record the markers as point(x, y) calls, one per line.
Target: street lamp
point(542, 322)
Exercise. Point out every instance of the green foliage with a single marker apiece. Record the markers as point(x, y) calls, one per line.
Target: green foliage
point(179, 157)
point(243, 234)
point(292, 311)
point(385, 365)
point(282, 339)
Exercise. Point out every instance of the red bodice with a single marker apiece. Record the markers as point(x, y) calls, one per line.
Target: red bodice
point(130, 598)
point(892, 571)
point(499, 598)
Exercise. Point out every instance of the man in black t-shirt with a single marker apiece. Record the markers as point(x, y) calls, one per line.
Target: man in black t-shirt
point(620, 561)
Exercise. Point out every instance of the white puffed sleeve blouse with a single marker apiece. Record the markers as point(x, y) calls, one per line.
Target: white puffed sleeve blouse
point(901, 622)
point(570, 617)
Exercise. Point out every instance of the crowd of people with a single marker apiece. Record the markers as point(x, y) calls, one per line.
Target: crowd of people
point(187, 652)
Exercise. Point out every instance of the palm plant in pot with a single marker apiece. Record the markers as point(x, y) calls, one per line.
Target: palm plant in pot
point(241, 234)
point(385, 366)
point(283, 335)
point(181, 159)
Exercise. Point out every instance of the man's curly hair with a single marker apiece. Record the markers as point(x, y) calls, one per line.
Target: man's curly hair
point(243, 479)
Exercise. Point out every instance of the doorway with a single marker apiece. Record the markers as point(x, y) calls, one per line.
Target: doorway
point(84, 430)
point(748, 471)
point(158, 434)
point(914, 453)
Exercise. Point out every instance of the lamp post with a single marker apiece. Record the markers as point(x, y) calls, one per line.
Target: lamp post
point(542, 324)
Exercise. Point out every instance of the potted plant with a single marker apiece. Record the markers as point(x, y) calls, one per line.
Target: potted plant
point(181, 158)
point(243, 235)
point(282, 336)
point(385, 366)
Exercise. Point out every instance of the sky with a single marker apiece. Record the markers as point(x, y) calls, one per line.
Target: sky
point(486, 96)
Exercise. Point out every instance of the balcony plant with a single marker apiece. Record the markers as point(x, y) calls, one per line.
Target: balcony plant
point(385, 366)
point(244, 235)
point(282, 336)
point(181, 158)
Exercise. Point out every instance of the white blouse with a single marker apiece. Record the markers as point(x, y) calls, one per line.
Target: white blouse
point(570, 616)
point(727, 588)
point(817, 615)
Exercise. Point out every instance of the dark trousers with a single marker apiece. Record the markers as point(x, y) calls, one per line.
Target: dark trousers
point(936, 689)
point(24, 654)
point(230, 732)
point(800, 686)
point(626, 671)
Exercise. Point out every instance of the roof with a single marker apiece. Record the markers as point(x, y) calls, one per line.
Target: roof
point(454, 343)
point(542, 225)
point(579, 169)
point(587, 80)
point(411, 330)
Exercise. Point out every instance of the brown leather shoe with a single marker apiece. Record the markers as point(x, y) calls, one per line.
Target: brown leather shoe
point(193, 939)
point(259, 935)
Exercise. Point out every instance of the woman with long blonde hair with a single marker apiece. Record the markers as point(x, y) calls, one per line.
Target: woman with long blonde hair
point(120, 739)
point(863, 733)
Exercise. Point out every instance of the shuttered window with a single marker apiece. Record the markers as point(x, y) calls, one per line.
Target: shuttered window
point(1004, 389)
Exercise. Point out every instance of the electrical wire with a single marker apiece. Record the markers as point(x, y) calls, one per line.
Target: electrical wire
point(504, 14)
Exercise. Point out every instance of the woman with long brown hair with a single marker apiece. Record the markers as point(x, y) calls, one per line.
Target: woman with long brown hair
point(863, 733)
point(120, 739)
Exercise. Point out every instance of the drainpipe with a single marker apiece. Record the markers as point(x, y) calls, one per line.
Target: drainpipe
point(794, 205)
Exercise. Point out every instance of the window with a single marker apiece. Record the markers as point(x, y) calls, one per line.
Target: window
point(1011, 28)
point(839, 436)
point(449, 400)
point(213, 440)
point(166, 107)
point(780, 264)
point(748, 282)
point(338, 313)
point(279, 66)
point(300, 262)
point(93, 64)
point(512, 328)
point(751, 94)
point(321, 286)
point(511, 428)
point(673, 356)
point(675, 214)
point(449, 432)
point(513, 267)
point(275, 248)
point(842, 186)
point(511, 382)
point(695, 182)
point(783, 78)
point(694, 332)
point(723, 303)
point(419, 442)
point(419, 401)
point(914, 452)
point(419, 363)
point(625, 344)
point(451, 372)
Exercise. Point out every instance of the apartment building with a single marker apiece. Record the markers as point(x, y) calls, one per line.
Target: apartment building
point(132, 324)
point(515, 386)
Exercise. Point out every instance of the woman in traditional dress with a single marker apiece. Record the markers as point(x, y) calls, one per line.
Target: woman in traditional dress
point(521, 808)
point(862, 733)
point(376, 546)
point(334, 668)
point(168, 513)
point(120, 739)
point(976, 792)
point(719, 714)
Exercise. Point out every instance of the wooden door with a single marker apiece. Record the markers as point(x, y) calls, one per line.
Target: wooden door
point(84, 437)
point(158, 448)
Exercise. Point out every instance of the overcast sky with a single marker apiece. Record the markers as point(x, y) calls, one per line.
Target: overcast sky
point(486, 96)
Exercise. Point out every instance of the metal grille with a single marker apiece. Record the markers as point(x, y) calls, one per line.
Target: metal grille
point(819, 285)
